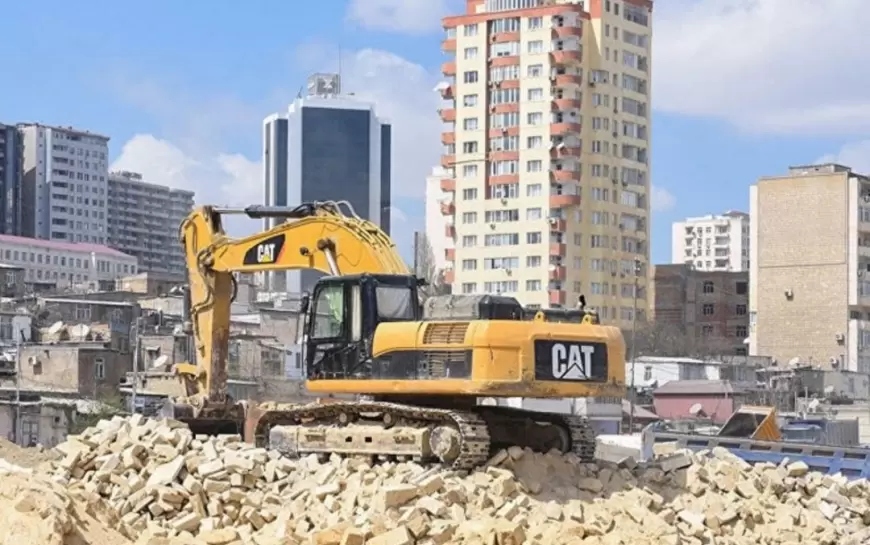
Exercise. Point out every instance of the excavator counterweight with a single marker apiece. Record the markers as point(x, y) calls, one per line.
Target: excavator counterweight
point(409, 377)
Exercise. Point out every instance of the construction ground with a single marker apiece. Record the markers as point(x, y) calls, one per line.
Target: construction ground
point(149, 482)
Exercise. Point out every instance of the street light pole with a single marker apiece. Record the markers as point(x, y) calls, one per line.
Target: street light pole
point(632, 352)
point(136, 349)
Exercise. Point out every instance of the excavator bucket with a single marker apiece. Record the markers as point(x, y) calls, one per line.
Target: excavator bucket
point(214, 420)
point(752, 422)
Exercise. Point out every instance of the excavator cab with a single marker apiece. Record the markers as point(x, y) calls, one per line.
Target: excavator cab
point(342, 315)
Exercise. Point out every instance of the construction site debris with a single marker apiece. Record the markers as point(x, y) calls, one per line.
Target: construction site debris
point(160, 485)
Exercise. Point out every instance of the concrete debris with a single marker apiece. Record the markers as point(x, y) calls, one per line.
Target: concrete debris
point(159, 485)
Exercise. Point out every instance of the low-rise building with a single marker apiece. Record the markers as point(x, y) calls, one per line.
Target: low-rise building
point(718, 399)
point(86, 369)
point(66, 265)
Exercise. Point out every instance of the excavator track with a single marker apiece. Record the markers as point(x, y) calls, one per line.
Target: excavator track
point(460, 439)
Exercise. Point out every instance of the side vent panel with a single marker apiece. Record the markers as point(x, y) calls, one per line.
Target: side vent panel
point(445, 333)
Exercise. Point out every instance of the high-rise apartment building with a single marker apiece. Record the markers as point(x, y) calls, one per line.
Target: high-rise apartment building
point(144, 219)
point(65, 183)
point(327, 147)
point(439, 228)
point(547, 137)
point(712, 243)
point(11, 178)
point(809, 267)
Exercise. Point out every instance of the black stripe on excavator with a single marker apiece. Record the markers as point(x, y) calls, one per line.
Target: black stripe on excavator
point(266, 252)
point(422, 365)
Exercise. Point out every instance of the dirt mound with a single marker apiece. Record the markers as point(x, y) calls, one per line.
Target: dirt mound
point(25, 457)
point(36, 511)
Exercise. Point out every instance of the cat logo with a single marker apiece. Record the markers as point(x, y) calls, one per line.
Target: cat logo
point(572, 362)
point(266, 252)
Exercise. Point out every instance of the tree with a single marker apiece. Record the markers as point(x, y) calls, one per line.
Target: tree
point(107, 406)
point(425, 267)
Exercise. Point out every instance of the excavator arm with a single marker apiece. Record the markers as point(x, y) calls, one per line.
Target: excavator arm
point(318, 236)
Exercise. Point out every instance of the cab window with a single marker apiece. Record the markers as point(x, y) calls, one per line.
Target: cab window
point(395, 303)
point(328, 313)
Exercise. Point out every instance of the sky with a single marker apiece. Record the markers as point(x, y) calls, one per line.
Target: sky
point(741, 88)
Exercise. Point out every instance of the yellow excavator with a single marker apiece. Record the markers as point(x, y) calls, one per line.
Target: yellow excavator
point(414, 373)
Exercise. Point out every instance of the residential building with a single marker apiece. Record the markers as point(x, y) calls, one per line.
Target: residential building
point(439, 228)
point(718, 399)
point(650, 372)
point(66, 264)
point(65, 183)
point(542, 98)
point(809, 296)
point(337, 149)
point(713, 242)
point(143, 221)
point(11, 179)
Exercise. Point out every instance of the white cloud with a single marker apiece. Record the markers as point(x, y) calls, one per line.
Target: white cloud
point(662, 200)
point(764, 65)
point(406, 16)
point(853, 154)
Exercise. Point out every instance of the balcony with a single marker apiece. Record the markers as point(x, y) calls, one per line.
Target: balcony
point(504, 156)
point(558, 272)
point(449, 276)
point(448, 45)
point(450, 231)
point(504, 131)
point(448, 185)
point(557, 249)
point(565, 175)
point(563, 128)
point(501, 37)
point(448, 138)
point(448, 208)
point(565, 151)
point(567, 31)
point(559, 201)
point(562, 104)
point(448, 115)
point(447, 93)
point(558, 225)
point(450, 254)
point(561, 57)
point(447, 161)
point(562, 80)
point(449, 68)
point(558, 297)
point(505, 61)
point(505, 108)
point(503, 179)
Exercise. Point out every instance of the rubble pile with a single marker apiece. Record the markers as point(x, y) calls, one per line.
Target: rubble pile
point(167, 487)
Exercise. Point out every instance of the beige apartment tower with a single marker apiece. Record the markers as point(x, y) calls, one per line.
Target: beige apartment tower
point(547, 143)
point(809, 292)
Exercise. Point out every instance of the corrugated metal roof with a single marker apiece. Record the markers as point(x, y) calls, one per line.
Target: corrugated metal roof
point(701, 387)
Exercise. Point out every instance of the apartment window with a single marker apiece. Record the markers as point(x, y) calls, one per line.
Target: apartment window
point(505, 286)
point(504, 191)
point(469, 194)
point(708, 309)
point(535, 118)
point(503, 73)
point(740, 310)
point(470, 53)
point(707, 331)
point(533, 261)
point(533, 285)
point(502, 216)
point(502, 168)
point(469, 100)
point(741, 331)
point(536, 94)
point(469, 30)
point(535, 70)
point(469, 217)
point(469, 124)
point(469, 264)
point(534, 190)
point(99, 368)
point(534, 238)
point(504, 263)
point(578, 239)
point(469, 171)
point(536, 23)
point(534, 142)
point(534, 166)
point(471, 76)
point(599, 241)
point(505, 143)
point(536, 46)
point(533, 214)
point(708, 287)
point(740, 288)
point(469, 241)
point(469, 287)
point(469, 147)
point(502, 239)
point(578, 264)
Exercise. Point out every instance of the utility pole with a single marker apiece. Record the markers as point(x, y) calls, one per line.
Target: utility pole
point(633, 393)
point(416, 253)
point(136, 349)
point(18, 387)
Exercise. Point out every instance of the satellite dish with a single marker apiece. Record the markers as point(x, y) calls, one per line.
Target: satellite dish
point(161, 361)
point(55, 327)
point(794, 361)
point(696, 410)
point(79, 331)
